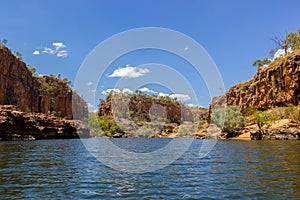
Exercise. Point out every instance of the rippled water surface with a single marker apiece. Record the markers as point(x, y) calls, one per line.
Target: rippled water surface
point(64, 169)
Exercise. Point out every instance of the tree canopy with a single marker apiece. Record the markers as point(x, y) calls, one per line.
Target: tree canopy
point(291, 42)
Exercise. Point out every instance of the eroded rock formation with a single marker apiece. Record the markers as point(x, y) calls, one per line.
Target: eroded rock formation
point(142, 115)
point(44, 94)
point(18, 125)
point(275, 85)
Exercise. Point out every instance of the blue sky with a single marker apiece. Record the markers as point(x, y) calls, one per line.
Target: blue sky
point(63, 33)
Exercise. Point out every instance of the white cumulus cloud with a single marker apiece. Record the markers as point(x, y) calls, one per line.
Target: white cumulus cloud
point(129, 72)
point(58, 45)
point(116, 90)
point(36, 52)
point(161, 94)
point(144, 89)
point(280, 52)
point(180, 97)
point(193, 105)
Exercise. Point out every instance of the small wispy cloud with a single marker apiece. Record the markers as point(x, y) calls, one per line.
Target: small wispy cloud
point(62, 53)
point(129, 72)
point(58, 49)
point(89, 83)
point(91, 91)
point(186, 48)
point(90, 105)
point(47, 50)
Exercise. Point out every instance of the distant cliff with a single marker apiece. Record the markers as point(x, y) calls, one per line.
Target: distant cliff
point(40, 94)
point(140, 115)
point(277, 84)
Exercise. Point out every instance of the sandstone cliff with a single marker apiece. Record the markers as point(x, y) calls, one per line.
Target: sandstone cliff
point(36, 94)
point(18, 125)
point(139, 115)
point(275, 85)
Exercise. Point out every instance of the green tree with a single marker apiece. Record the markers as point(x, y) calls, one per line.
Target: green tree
point(19, 55)
point(263, 118)
point(108, 126)
point(32, 70)
point(291, 41)
point(260, 63)
point(66, 81)
point(229, 119)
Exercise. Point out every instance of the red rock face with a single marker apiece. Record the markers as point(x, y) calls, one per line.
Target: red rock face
point(18, 125)
point(138, 107)
point(36, 94)
point(275, 85)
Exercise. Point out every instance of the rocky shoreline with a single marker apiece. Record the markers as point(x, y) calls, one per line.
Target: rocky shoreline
point(18, 125)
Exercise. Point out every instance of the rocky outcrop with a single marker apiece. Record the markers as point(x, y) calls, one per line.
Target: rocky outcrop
point(141, 107)
point(275, 85)
point(275, 134)
point(41, 94)
point(140, 115)
point(18, 125)
point(284, 129)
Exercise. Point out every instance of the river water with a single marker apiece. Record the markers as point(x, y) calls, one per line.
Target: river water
point(64, 169)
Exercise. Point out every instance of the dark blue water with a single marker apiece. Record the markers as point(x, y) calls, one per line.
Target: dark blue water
point(64, 169)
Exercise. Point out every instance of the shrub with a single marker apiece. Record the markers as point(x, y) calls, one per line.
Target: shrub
point(292, 112)
point(263, 118)
point(229, 119)
point(144, 132)
point(44, 86)
point(52, 113)
point(108, 126)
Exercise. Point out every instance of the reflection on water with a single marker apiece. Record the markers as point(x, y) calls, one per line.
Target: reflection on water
point(64, 169)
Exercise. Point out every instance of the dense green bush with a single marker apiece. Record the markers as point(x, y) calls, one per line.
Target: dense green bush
point(229, 119)
point(102, 125)
point(44, 86)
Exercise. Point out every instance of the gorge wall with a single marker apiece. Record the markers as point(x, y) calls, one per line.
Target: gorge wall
point(40, 94)
point(275, 85)
point(139, 107)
